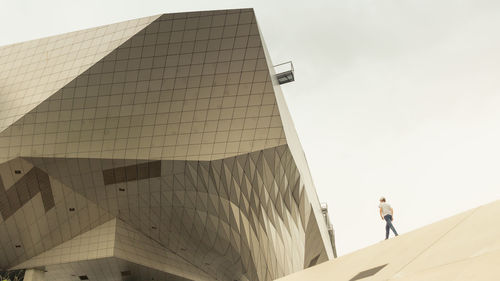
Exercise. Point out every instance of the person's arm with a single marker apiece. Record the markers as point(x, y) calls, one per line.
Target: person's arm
point(381, 213)
point(392, 212)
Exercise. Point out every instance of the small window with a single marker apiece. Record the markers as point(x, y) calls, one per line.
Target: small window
point(17, 172)
point(83, 277)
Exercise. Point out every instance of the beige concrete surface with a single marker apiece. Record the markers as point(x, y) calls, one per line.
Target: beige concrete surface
point(463, 247)
point(34, 275)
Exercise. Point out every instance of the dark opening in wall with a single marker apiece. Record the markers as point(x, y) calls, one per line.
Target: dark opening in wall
point(367, 273)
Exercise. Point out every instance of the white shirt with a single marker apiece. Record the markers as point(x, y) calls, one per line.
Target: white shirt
point(386, 209)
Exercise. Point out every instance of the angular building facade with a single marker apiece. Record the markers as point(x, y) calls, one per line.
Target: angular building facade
point(154, 149)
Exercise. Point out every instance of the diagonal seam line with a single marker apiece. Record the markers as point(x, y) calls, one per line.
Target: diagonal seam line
point(436, 241)
point(457, 261)
point(166, 248)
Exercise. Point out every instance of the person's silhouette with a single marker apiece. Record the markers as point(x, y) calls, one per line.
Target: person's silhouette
point(387, 214)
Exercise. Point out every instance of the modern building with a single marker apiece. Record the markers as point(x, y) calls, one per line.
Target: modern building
point(154, 149)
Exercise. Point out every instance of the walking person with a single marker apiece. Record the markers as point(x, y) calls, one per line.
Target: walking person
point(387, 214)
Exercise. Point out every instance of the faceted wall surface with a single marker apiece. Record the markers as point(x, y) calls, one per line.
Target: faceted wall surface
point(154, 148)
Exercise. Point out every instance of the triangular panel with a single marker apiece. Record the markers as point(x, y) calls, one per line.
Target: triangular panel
point(32, 71)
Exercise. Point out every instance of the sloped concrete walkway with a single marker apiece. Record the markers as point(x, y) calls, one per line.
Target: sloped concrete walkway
point(465, 247)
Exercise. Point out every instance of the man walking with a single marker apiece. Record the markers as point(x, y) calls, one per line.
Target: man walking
point(387, 213)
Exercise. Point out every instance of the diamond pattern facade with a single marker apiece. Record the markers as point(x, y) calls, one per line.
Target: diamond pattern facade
point(155, 148)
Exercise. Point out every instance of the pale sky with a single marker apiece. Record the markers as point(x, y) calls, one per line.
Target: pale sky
point(392, 97)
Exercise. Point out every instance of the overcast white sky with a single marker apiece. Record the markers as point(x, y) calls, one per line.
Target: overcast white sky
point(392, 97)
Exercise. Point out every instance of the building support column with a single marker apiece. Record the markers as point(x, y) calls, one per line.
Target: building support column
point(34, 275)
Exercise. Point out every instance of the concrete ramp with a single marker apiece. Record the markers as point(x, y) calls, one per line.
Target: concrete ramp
point(465, 247)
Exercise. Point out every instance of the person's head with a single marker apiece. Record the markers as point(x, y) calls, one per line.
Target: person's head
point(382, 199)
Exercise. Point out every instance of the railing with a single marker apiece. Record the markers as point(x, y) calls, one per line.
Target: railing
point(329, 227)
point(285, 72)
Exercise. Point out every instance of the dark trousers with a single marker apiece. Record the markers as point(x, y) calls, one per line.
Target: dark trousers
point(388, 225)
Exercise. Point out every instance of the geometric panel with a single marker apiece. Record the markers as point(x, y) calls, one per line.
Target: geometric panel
point(31, 230)
point(33, 182)
point(93, 244)
point(132, 173)
point(32, 71)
